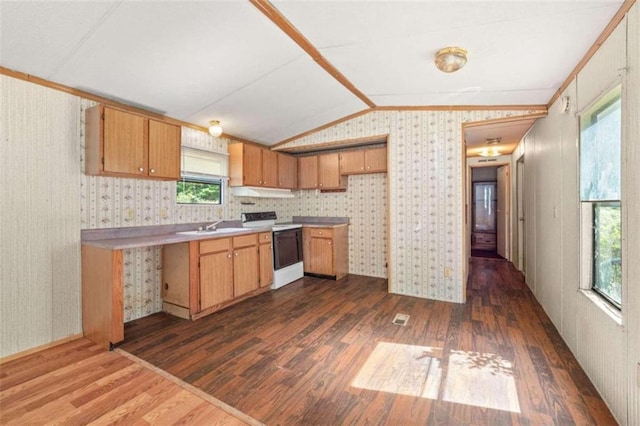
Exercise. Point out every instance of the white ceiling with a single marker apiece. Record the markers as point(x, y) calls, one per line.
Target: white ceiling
point(203, 60)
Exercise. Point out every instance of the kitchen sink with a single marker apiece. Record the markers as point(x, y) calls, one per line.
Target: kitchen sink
point(212, 231)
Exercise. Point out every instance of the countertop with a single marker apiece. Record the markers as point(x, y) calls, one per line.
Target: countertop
point(147, 236)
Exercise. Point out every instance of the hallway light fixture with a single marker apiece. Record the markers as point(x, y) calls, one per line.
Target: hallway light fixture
point(494, 152)
point(215, 129)
point(451, 59)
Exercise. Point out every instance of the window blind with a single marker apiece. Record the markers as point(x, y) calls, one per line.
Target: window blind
point(200, 163)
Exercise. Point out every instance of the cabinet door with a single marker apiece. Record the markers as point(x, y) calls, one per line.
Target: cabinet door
point(321, 256)
point(216, 279)
point(164, 150)
point(269, 168)
point(251, 165)
point(308, 172)
point(375, 160)
point(351, 162)
point(125, 143)
point(175, 274)
point(329, 171)
point(245, 270)
point(266, 265)
point(287, 171)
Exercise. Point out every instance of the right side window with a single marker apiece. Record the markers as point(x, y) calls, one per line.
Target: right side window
point(600, 145)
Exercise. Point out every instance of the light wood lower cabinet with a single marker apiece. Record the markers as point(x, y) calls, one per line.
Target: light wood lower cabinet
point(245, 264)
point(216, 273)
point(326, 251)
point(265, 250)
point(209, 275)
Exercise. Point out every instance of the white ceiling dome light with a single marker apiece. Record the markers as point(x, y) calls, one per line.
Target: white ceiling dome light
point(215, 129)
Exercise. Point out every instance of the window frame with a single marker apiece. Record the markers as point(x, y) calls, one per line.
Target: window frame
point(205, 167)
point(203, 180)
point(588, 209)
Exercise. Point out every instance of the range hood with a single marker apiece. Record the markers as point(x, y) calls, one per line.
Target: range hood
point(252, 191)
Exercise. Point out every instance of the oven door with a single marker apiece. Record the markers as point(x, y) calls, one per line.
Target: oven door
point(287, 248)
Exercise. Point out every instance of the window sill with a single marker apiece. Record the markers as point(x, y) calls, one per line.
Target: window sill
point(609, 310)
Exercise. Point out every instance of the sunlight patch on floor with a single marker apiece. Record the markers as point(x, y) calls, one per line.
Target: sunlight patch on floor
point(481, 379)
point(470, 378)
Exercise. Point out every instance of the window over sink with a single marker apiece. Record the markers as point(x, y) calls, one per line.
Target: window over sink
point(203, 174)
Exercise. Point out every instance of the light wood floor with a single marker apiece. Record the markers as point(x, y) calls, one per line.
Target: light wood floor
point(325, 352)
point(80, 383)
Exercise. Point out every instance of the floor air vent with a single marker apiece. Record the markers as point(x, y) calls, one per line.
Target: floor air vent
point(400, 319)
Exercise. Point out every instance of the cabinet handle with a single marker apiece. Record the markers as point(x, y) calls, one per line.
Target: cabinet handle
point(270, 246)
point(361, 168)
point(229, 255)
point(368, 167)
point(320, 184)
point(320, 233)
point(140, 169)
point(152, 171)
point(166, 286)
point(235, 254)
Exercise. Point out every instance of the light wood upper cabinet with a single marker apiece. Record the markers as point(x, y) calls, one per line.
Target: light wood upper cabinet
point(269, 168)
point(375, 160)
point(251, 165)
point(265, 252)
point(308, 172)
point(123, 144)
point(326, 251)
point(363, 161)
point(164, 148)
point(351, 162)
point(329, 176)
point(287, 171)
point(245, 165)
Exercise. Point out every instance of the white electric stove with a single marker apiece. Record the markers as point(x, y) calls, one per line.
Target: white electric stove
point(286, 243)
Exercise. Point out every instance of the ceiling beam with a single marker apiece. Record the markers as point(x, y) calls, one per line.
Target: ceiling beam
point(271, 12)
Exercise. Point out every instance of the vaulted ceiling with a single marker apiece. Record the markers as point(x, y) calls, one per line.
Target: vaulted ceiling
point(227, 60)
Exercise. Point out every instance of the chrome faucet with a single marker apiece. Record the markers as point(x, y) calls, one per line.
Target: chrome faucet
point(212, 227)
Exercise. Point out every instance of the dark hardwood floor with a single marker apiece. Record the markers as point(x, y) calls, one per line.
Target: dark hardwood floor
point(325, 352)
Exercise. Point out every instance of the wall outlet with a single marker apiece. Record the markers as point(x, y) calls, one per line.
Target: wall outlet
point(164, 213)
point(130, 214)
point(447, 272)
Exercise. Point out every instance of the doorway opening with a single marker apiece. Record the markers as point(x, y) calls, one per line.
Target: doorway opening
point(489, 235)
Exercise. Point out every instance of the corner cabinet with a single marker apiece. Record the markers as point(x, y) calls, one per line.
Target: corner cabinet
point(326, 251)
point(123, 144)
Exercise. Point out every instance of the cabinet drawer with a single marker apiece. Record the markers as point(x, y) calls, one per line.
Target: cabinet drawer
point(245, 240)
point(321, 232)
point(264, 237)
point(213, 246)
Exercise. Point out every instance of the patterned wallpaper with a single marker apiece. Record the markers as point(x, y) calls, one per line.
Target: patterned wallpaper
point(425, 193)
point(424, 201)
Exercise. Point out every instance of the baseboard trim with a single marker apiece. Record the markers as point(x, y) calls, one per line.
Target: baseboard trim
point(40, 348)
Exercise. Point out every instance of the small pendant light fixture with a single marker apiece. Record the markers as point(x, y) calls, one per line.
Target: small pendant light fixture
point(215, 129)
point(451, 59)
